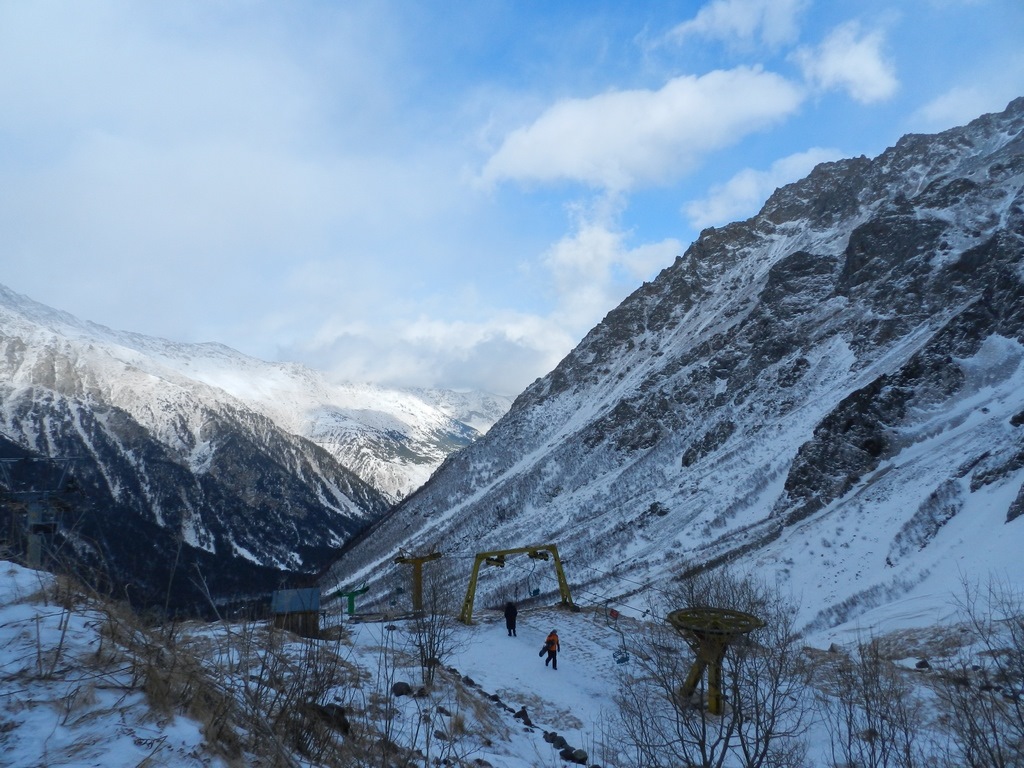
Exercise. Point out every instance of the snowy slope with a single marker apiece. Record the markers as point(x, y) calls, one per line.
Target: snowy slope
point(199, 455)
point(77, 686)
point(391, 438)
point(829, 393)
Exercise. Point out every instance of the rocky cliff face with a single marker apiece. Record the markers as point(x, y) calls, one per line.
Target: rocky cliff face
point(828, 392)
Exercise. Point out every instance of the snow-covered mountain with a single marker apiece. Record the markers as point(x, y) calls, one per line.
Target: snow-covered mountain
point(392, 438)
point(254, 467)
point(830, 393)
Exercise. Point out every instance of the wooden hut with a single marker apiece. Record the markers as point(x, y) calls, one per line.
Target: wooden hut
point(297, 610)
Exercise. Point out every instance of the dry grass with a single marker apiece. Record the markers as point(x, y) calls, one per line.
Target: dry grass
point(260, 696)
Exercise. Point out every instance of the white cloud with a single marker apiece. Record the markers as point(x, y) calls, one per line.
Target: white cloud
point(851, 59)
point(774, 21)
point(992, 88)
point(251, 173)
point(593, 268)
point(590, 270)
point(743, 194)
point(625, 139)
point(956, 106)
point(502, 354)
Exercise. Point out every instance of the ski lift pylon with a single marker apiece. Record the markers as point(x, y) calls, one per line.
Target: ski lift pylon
point(466, 616)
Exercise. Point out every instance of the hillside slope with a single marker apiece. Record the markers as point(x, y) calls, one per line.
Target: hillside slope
point(830, 393)
point(194, 455)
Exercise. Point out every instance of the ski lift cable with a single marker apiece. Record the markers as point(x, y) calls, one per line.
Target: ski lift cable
point(608, 602)
point(597, 599)
point(640, 584)
point(605, 573)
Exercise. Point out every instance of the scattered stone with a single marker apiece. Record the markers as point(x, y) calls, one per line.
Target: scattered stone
point(522, 715)
point(332, 714)
point(923, 664)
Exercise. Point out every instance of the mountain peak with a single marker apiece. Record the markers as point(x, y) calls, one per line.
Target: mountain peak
point(800, 394)
point(259, 469)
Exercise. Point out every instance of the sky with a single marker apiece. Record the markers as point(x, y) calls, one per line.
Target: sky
point(433, 193)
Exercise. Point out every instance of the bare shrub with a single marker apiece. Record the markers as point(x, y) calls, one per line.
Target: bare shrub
point(434, 630)
point(983, 691)
point(872, 712)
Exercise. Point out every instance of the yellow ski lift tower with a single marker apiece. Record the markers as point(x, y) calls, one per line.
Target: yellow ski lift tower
point(497, 558)
point(417, 575)
point(708, 631)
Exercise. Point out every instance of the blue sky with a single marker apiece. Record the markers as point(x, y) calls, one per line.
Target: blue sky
point(436, 193)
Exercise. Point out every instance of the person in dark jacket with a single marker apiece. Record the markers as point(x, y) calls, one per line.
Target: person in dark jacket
point(510, 618)
point(551, 647)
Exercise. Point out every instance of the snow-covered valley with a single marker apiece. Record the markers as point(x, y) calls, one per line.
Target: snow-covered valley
point(814, 415)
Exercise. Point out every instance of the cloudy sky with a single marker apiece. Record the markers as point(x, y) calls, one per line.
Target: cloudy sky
point(429, 192)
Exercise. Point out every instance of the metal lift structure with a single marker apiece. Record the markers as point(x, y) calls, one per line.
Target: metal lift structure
point(708, 631)
point(417, 574)
point(351, 595)
point(497, 558)
point(40, 514)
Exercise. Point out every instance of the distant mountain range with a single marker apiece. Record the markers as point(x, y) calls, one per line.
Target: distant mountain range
point(194, 456)
point(829, 394)
point(391, 438)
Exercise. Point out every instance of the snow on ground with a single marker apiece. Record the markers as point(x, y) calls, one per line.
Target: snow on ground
point(68, 697)
point(576, 700)
point(58, 707)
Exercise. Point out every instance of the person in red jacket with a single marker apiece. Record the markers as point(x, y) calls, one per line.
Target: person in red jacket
point(551, 647)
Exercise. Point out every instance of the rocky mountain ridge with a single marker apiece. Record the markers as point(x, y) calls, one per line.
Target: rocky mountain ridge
point(829, 393)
